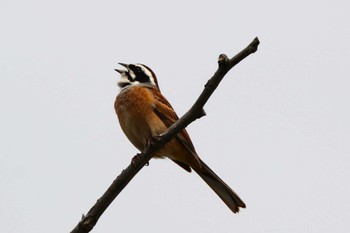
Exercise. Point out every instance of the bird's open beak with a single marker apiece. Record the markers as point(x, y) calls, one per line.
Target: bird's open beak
point(123, 64)
point(122, 71)
point(119, 71)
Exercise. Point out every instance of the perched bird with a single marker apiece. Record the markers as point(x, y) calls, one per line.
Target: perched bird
point(143, 112)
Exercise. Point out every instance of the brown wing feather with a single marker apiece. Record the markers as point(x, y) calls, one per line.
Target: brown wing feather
point(166, 113)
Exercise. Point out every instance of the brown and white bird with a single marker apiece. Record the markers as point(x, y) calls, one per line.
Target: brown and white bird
point(143, 112)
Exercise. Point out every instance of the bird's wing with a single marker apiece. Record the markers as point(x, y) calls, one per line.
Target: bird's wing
point(166, 113)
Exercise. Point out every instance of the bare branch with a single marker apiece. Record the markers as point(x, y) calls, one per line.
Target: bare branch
point(196, 111)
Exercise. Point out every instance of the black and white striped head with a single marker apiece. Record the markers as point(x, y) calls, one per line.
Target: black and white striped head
point(136, 74)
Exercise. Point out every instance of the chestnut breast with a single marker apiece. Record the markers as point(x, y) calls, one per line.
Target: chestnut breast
point(134, 106)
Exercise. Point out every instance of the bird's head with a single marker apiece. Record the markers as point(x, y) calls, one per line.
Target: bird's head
point(136, 74)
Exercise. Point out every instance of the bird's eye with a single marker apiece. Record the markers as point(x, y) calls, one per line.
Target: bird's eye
point(138, 69)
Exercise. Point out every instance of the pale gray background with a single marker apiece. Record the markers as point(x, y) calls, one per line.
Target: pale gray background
point(277, 128)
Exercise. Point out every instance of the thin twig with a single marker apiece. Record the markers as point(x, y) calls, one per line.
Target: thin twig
point(89, 220)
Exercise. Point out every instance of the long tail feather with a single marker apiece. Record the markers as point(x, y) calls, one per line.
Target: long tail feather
point(230, 198)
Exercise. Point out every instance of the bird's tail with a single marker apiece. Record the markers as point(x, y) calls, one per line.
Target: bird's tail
point(226, 194)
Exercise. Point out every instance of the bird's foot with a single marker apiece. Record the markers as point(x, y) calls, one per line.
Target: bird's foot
point(153, 140)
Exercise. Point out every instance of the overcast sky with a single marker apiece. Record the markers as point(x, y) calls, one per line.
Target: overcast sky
point(277, 129)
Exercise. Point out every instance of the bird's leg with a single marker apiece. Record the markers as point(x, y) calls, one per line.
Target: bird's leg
point(150, 142)
point(153, 140)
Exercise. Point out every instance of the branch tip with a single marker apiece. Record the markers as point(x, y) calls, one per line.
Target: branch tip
point(223, 59)
point(254, 45)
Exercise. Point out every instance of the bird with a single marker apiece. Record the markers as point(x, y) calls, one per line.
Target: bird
point(143, 113)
